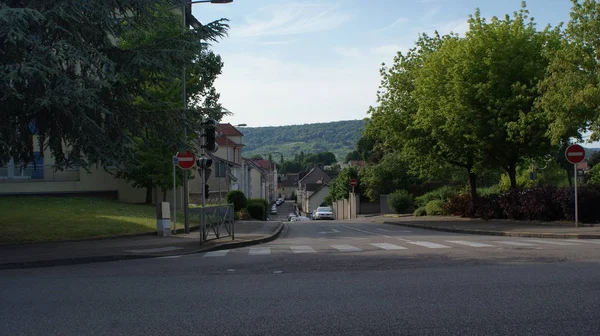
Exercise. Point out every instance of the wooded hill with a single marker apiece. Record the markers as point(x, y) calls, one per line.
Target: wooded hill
point(338, 137)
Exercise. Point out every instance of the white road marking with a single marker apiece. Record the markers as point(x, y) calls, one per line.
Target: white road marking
point(332, 231)
point(514, 243)
point(551, 242)
point(384, 230)
point(220, 253)
point(387, 246)
point(346, 248)
point(468, 243)
point(259, 251)
point(170, 257)
point(302, 249)
point(591, 241)
point(158, 249)
point(359, 230)
point(428, 244)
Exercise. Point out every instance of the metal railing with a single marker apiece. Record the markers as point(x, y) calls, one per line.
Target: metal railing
point(218, 221)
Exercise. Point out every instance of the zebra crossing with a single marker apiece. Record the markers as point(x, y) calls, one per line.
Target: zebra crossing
point(404, 245)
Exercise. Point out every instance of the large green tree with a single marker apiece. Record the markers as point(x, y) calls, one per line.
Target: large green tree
point(571, 90)
point(66, 80)
point(476, 94)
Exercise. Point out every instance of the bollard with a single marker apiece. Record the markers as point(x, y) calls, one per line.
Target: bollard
point(163, 221)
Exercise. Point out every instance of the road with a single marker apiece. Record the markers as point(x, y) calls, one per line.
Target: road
point(322, 278)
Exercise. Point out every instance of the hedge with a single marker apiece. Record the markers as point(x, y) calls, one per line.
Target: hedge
point(258, 208)
point(238, 199)
point(541, 203)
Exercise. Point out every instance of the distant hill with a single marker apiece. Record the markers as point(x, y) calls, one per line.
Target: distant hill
point(338, 137)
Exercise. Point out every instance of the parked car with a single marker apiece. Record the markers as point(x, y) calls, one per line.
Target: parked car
point(274, 210)
point(323, 213)
point(291, 216)
point(279, 201)
point(300, 219)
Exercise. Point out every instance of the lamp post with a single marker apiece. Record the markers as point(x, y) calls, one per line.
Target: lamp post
point(271, 177)
point(186, 191)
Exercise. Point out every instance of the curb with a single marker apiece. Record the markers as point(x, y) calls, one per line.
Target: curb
point(502, 233)
point(97, 259)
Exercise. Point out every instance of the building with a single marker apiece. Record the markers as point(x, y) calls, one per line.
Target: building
point(309, 185)
point(288, 185)
point(315, 196)
point(255, 177)
point(271, 178)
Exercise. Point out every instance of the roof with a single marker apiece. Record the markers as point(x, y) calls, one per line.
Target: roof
point(216, 158)
point(288, 183)
point(250, 162)
point(265, 164)
point(224, 141)
point(315, 186)
point(228, 130)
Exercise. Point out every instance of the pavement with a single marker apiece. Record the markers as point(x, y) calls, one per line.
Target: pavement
point(509, 228)
point(322, 278)
point(102, 250)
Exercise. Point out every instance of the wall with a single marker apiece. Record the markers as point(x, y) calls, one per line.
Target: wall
point(256, 185)
point(383, 206)
point(317, 198)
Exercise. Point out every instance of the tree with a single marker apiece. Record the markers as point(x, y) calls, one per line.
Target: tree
point(256, 157)
point(594, 159)
point(571, 89)
point(69, 85)
point(149, 165)
point(352, 156)
point(339, 187)
point(478, 93)
point(391, 174)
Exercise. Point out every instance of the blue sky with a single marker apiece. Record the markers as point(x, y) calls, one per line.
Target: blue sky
point(297, 62)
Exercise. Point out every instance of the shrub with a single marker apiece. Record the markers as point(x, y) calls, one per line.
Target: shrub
point(420, 212)
point(258, 208)
point(400, 201)
point(459, 205)
point(441, 194)
point(435, 208)
point(238, 199)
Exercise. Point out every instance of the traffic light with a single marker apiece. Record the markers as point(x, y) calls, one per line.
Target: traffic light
point(204, 163)
point(210, 133)
point(206, 190)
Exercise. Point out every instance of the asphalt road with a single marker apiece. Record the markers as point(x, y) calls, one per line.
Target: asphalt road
point(322, 278)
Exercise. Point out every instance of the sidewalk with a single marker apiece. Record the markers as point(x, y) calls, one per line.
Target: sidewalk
point(494, 227)
point(78, 252)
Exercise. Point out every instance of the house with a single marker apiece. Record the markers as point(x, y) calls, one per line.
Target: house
point(255, 180)
point(271, 177)
point(288, 186)
point(316, 196)
point(309, 184)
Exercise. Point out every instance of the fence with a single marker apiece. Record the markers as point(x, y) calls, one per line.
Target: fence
point(216, 218)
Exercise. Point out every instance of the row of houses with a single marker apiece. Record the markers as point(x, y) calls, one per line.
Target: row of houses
point(231, 171)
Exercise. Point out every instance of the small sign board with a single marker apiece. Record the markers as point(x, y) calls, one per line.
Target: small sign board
point(575, 154)
point(353, 183)
point(186, 160)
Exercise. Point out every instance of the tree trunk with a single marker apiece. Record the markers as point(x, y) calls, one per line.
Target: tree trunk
point(164, 199)
point(149, 194)
point(512, 175)
point(472, 187)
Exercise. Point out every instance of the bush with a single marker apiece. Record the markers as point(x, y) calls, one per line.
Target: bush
point(435, 208)
point(420, 212)
point(459, 205)
point(441, 194)
point(400, 201)
point(238, 199)
point(258, 208)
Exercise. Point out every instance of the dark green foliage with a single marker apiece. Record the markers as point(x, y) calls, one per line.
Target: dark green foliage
point(61, 73)
point(440, 194)
point(400, 201)
point(353, 156)
point(420, 212)
point(337, 137)
point(594, 158)
point(257, 208)
point(435, 208)
point(339, 187)
point(238, 199)
point(305, 162)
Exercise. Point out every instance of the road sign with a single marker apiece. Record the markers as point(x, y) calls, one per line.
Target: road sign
point(575, 154)
point(353, 182)
point(175, 160)
point(186, 160)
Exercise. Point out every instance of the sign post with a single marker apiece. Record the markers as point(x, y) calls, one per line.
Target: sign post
point(575, 154)
point(175, 162)
point(353, 183)
point(185, 160)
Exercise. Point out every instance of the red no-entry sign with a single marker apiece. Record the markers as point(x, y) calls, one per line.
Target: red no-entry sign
point(186, 160)
point(575, 154)
point(353, 183)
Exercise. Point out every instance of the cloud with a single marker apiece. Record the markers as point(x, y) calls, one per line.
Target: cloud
point(264, 90)
point(394, 24)
point(431, 12)
point(459, 27)
point(291, 19)
point(386, 50)
point(348, 52)
point(276, 42)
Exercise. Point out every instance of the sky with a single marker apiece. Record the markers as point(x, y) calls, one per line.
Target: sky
point(309, 61)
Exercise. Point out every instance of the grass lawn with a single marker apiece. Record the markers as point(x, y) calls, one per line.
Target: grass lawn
point(28, 219)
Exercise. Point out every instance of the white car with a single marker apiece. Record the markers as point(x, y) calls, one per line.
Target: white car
point(323, 213)
point(300, 219)
point(274, 210)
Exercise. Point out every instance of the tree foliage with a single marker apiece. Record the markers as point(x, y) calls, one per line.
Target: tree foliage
point(339, 187)
point(65, 79)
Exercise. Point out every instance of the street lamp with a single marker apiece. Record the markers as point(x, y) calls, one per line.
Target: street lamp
point(186, 191)
point(271, 177)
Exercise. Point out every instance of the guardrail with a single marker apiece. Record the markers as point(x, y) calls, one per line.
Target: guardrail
point(216, 218)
